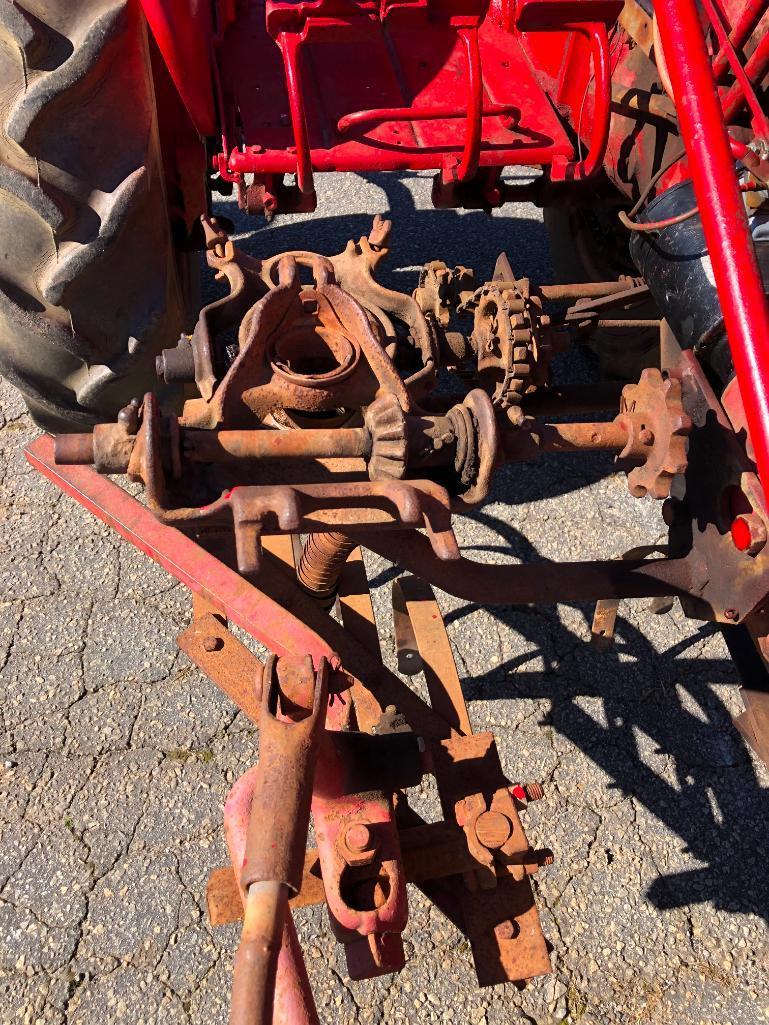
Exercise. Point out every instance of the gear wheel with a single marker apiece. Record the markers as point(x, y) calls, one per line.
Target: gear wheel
point(386, 424)
point(511, 338)
point(652, 412)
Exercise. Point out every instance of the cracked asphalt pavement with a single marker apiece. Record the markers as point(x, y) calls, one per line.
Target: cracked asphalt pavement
point(117, 754)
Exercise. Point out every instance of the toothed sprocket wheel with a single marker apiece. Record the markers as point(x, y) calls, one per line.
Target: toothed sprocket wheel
point(658, 429)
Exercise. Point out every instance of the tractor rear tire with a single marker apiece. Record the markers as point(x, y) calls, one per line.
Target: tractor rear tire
point(89, 280)
point(586, 245)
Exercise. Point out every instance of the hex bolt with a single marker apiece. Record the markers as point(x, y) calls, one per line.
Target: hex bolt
point(506, 930)
point(749, 533)
point(358, 837)
point(212, 643)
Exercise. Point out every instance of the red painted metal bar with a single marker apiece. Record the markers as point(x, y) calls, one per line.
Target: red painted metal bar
point(294, 1003)
point(760, 121)
point(274, 162)
point(437, 112)
point(755, 69)
point(744, 26)
point(243, 603)
point(290, 44)
point(468, 165)
point(724, 220)
point(565, 170)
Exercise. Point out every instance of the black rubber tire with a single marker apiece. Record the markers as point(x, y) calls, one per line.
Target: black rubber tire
point(586, 246)
point(89, 286)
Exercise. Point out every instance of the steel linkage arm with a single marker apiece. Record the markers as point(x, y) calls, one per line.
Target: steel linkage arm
point(722, 211)
point(293, 712)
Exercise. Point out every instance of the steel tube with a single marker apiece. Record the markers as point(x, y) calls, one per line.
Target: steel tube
point(74, 449)
point(472, 148)
point(223, 446)
point(722, 212)
point(531, 440)
point(582, 290)
point(746, 23)
point(436, 112)
point(760, 123)
point(256, 961)
point(755, 69)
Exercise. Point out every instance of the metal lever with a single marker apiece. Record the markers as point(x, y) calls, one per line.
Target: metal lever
point(293, 713)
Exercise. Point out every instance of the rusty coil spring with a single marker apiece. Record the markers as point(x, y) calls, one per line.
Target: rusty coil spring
point(320, 566)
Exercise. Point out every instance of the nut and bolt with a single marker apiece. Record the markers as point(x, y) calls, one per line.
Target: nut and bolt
point(749, 533)
point(732, 615)
point(493, 829)
point(358, 837)
point(359, 844)
point(212, 643)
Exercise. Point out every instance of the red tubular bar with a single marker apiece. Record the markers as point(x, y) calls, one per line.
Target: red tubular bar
point(760, 121)
point(741, 31)
point(377, 115)
point(755, 69)
point(472, 149)
point(565, 170)
point(724, 221)
point(290, 43)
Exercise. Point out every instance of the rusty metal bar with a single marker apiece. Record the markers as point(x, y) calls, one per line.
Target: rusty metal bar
point(222, 446)
point(294, 1003)
point(528, 442)
point(229, 664)
point(540, 583)
point(438, 665)
point(293, 712)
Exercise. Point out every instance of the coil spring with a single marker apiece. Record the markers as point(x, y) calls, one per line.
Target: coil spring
point(323, 558)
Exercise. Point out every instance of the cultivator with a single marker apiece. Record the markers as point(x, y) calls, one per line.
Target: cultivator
point(325, 414)
point(317, 415)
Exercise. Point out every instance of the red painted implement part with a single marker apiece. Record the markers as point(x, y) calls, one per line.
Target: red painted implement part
point(450, 62)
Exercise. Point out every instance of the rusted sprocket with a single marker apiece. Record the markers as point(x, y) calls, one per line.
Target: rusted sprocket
point(658, 428)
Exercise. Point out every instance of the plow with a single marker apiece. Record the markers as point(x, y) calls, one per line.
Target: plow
point(310, 415)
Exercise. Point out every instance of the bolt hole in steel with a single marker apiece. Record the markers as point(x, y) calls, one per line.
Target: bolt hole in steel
point(364, 892)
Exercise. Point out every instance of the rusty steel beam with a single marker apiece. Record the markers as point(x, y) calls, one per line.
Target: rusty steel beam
point(224, 446)
point(434, 647)
point(539, 583)
point(530, 440)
